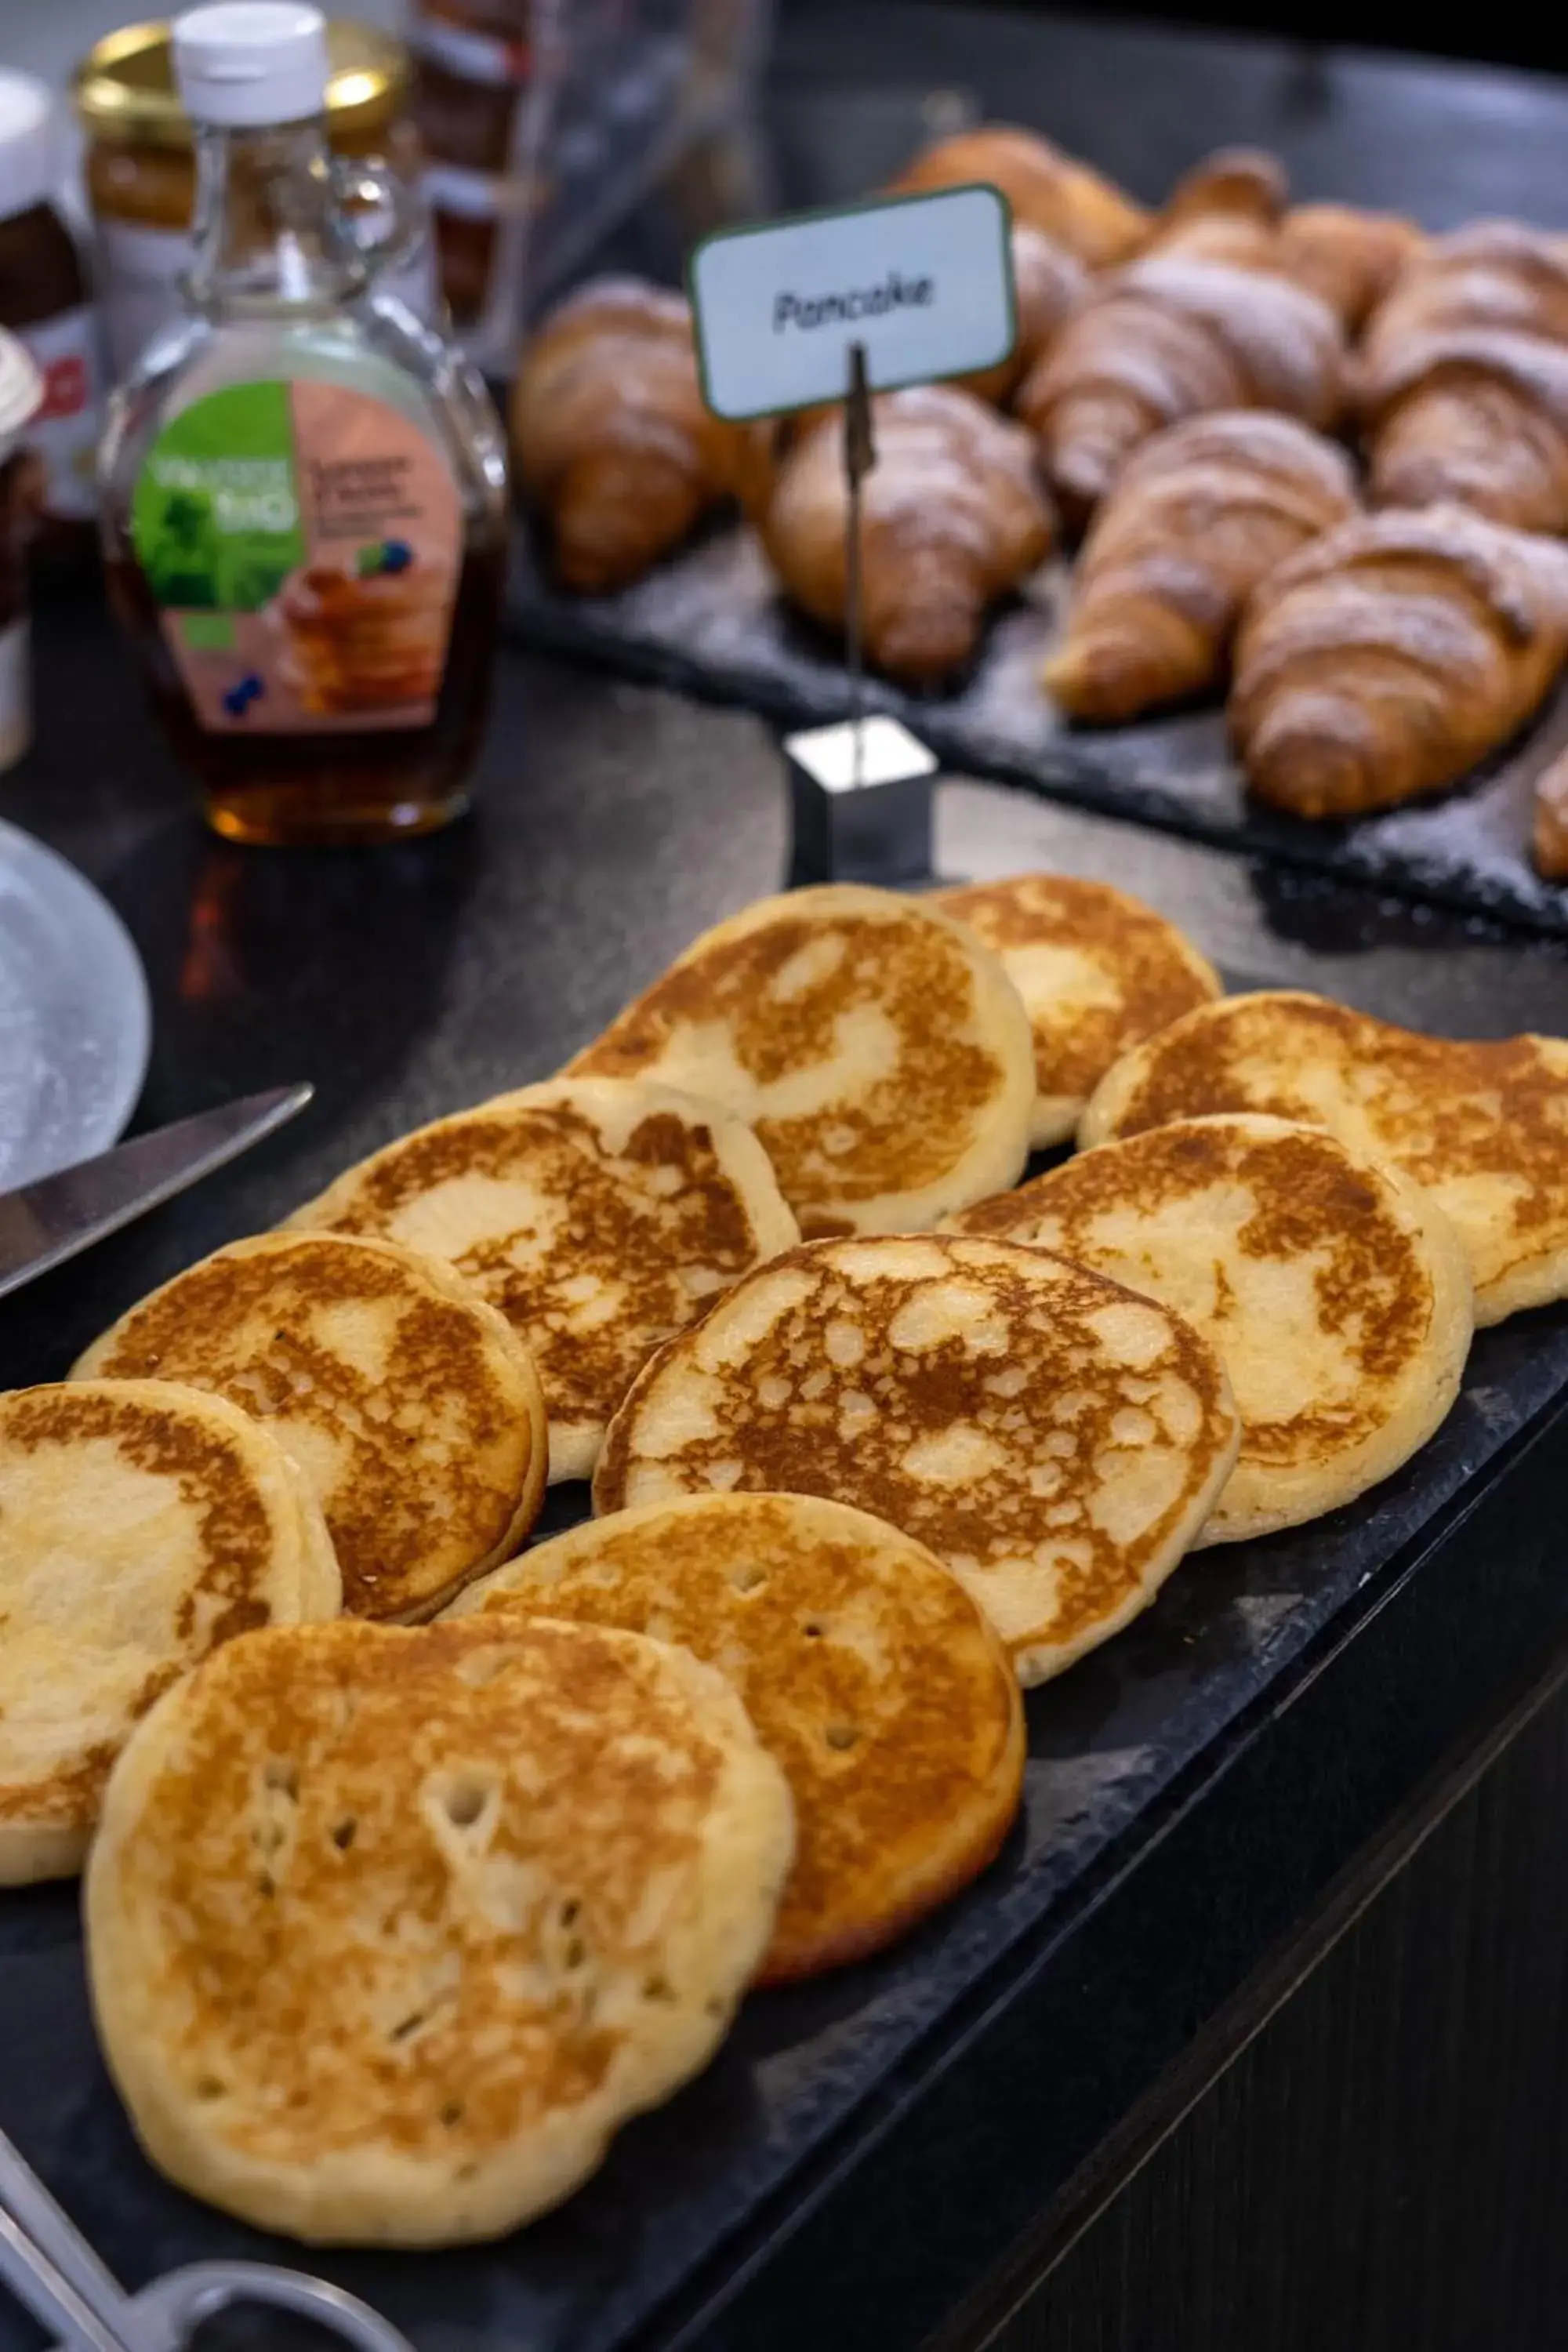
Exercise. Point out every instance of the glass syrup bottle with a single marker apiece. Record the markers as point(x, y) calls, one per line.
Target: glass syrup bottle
point(303, 489)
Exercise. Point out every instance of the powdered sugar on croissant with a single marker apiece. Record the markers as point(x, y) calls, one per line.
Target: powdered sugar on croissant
point(952, 517)
point(1351, 257)
point(1390, 656)
point(1049, 284)
point(1172, 336)
point(1199, 516)
point(1464, 378)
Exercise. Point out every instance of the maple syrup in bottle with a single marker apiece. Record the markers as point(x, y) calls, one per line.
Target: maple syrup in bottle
point(304, 491)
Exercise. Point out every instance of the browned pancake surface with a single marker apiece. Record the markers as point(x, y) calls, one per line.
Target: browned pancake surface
point(141, 1526)
point(874, 1016)
point(869, 1672)
point(597, 1221)
point(1482, 1127)
point(1055, 1440)
point(1369, 1288)
point(1098, 970)
point(235, 1541)
point(1338, 1298)
point(389, 1928)
point(411, 1413)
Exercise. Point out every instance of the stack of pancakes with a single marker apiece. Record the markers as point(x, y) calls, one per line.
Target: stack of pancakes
point(356, 643)
point(392, 1921)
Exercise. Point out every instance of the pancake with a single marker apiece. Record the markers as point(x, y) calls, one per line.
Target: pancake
point(1054, 1441)
point(389, 1930)
point(141, 1525)
point(1337, 1294)
point(596, 1216)
point(411, 1408)
point(867, 1672)
point(1481, 1128)
point(1098, 972)
point(879, 1051)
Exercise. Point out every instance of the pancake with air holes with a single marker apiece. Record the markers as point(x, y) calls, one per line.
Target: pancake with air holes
point(1057, 1442)
point(598, 1216)
point(1482, 1127)
point(1336, 1293)
point(868, 1671)
point(142, 1524)
point(411, 1408)
point(878, 1047)
point(390, 1929)
point(1098, 972)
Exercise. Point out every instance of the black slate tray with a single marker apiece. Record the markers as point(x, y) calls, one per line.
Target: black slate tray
point(711, 623)
point(806, 2067)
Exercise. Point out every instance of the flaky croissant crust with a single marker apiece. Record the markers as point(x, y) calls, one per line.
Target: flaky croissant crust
point(1047, 190)
point(610, 435)
point(952, 517)
point(1174, 335)
point(1388, 657)
point(1200, 515)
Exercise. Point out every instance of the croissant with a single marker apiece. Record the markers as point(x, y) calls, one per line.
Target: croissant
point(610, 435)
point(1390, 656)
point(1069, 201)
point(1049, 284)
point(952, 517)
point(1212, 206)
point(1464, 378)
point(1549, 835)
point(1231, 207)
point(1350, 256)
point(1173, 335)
point(1195, 520)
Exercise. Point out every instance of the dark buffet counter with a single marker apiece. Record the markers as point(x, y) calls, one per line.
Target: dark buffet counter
point(1384, 2164)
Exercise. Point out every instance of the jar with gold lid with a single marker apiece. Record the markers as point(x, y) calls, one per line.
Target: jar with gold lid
point(141, 167)
point(302, 489)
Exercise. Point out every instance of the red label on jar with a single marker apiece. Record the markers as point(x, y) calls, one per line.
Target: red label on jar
point(65, 389)
point(65, 429)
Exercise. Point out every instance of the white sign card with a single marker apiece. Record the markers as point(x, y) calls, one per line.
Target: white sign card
point(925, 283)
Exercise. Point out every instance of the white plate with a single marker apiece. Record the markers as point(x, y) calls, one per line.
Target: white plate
point(75, 1025)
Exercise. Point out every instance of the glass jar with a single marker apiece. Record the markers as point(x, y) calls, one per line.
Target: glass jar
point(45, 302)
point(303, 492)
point(141, 168)
point(475, 61)
point(22, 477)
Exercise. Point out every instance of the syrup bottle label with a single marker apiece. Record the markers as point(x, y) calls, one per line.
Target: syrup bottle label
point(302, 542)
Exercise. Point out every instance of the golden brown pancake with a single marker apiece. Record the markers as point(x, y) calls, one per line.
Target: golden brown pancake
point(411, 1408)
point(1482, 1127)
point(1336, 1293)
point(389, 1930)
point(878, 1050)
point(867, 1670)
point(1056, 1440)
point(141, 1525)
point(597, 1216)
point(1098, 972)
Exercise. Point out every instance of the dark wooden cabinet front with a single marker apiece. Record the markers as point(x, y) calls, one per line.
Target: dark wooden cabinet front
point(1384, 2166)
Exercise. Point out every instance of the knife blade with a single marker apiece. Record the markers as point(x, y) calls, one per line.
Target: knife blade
point(45, 1222)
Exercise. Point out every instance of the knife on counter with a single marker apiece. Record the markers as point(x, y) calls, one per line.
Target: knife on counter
point(45, 1222)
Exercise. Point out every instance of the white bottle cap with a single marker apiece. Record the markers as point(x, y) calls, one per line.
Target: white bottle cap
point(246, 63)
point(27, 149)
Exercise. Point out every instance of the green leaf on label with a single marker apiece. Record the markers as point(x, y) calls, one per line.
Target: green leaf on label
point(214, 516)
point(208, 632)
